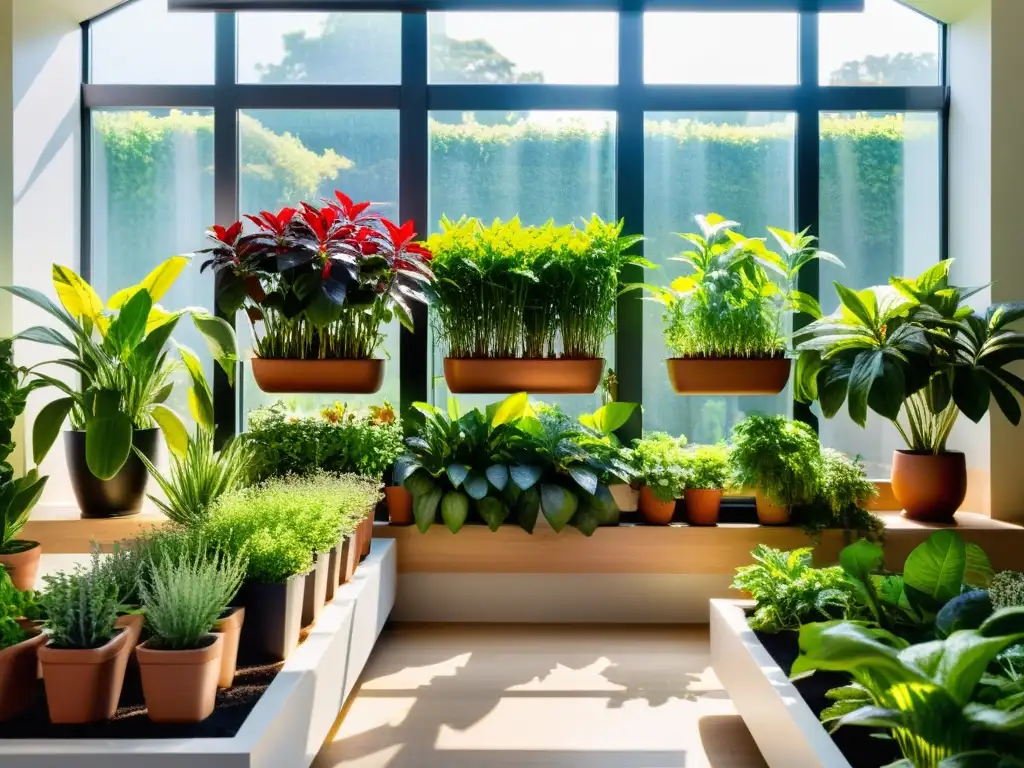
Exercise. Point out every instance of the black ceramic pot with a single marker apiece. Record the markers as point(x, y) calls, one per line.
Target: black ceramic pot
point(122, 494)
point(273, 619)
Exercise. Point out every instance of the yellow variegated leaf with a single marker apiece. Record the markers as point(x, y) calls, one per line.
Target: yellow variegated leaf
point(120, 298)
point(77, 296)
point(683, 284)
point(157, 317)
point(102, 325)
point(157, 282)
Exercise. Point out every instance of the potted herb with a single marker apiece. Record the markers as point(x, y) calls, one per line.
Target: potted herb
point(843, 494)
point(916, 354)
point(181, 663)
point(707, 473)
point(725, 321)
point(121, 353)
point(658, 458)
point(318, 285)
point(84, 660)
point(127, 567)
point(780, 459)
point(19, 644)
point(526, 308)
point(18, 496)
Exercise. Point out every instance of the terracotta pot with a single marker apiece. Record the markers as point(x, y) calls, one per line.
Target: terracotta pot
point(230, 627)
point(180, 686)
point(498, 376)
point(769, 513)
point(84, 685)
point(349, 558)
point(124, 493)
point(313, 594)
point(725, 376)
point(18, 676)
point(930, 487)
point(133, 622)
point(627, 498)
point(367, 539)
point(23, 566)
point(333, 572)
point(399, 505)
point(656, 512)
point(330, 376)
point(702, 506)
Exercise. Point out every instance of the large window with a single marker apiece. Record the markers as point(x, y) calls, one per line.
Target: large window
point(649, 116)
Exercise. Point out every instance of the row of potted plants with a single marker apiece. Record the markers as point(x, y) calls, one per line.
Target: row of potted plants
point(929, 658)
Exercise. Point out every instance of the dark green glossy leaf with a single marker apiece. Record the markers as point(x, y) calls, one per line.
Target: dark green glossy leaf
point(454, 510)
point(493, 511)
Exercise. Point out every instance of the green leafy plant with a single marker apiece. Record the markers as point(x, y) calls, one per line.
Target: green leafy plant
point(843, 493)
point(127, 567)
point(509, 291)
point(200, 477)
point(120, 353)
point(184, 597)
point(658, 459)
point(81, 607)
point(1006, 590)
point(338, 439)
point(706, 467)
point(790, 592)
point(14, 605)
point(778, 457)
point(914, 353)
point(735, 300)
point(928, 695)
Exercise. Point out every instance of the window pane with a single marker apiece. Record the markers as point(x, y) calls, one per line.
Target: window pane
point(320, 48)
point(880, 196)
point(503, 48)
point(719, 48)
point(142, 43)
point(740, 165)
point(152, 198)
point(288, 156)
point(887, 44)
point(547, 165)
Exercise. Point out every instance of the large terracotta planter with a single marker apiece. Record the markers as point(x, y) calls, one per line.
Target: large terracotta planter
point(124, 493)
point(702, 506)
point(627, 498)
point(330, 376)
point(18, 676)
point(230, 627)
point(23, 566)
point(656, 512)
point(498, 376)
point(930, 487)
point(180, 686)
point(314, 594)
point(770, 513)
point(84, 685)
point(134, 623)
point(725, 376)
point(399, 505)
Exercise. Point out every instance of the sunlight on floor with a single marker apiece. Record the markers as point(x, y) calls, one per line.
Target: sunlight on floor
point(462, 696)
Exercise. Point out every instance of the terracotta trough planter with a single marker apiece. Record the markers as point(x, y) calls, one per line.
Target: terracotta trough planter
point(84, 685)
point(702, 506)
point(546, 377)
point(399, 505)
point(725, 376)
point(18, 676)
point(325, 376)
point(929, 487)
point(23, 566)
point(656, 512)
point(769, 513)
point(230, 626)
point(180, 686)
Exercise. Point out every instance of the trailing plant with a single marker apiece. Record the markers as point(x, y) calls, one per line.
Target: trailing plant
point(706, 467)
point(200, 477)
point(929, 695)
point(81, 607)
point(916, 354)
point(338, 439)
point(790, 592)
point(843, 493)
point(120, 353)
point(320, 282)
point(509, 291)
point(185, 597)
point(778, 457)
point(738, 294)
point(1006, 590)
point(658, 460)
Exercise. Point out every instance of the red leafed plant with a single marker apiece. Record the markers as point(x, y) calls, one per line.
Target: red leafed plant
point(323, 281)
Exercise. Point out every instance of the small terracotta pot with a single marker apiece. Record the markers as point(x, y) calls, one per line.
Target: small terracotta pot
point(180, 686)
point(728, 376)
point(399, 505)
point(656, 512)
point(230, 626)
point(18, 676)
point(133, 622)
point(702, 506)
point(333, 572)
point(315, 591)
point(331, 376)
point(84, 685)
point(627, 498)
point(367, 539)
point(499, 376)
point(769, 513)
point(349, 558)
point(23, 566)
point(930, 487)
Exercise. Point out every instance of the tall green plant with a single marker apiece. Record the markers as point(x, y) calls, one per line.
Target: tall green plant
point(81, 607)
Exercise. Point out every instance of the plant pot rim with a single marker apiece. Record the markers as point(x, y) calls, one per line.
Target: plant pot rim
point(762, 359)
point(704, 490)
point(317, 359)
point(526, 359)
point(36, 637)
point(103, 653)
point(32, 545)
point(147, 654)
point(927, 454)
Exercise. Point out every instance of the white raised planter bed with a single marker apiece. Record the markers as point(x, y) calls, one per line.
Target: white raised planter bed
point(785, 729)
point(291, 720)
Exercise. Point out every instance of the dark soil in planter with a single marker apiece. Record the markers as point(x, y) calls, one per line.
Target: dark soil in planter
point(861, 746)
point(131, 722)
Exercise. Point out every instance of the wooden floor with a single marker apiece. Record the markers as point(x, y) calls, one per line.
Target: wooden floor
point(467, 696)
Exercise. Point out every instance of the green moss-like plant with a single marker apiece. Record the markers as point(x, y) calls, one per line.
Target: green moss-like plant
point(778, 457)
point(707, 468)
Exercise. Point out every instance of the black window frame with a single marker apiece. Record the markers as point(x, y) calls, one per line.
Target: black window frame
point(414, 98)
